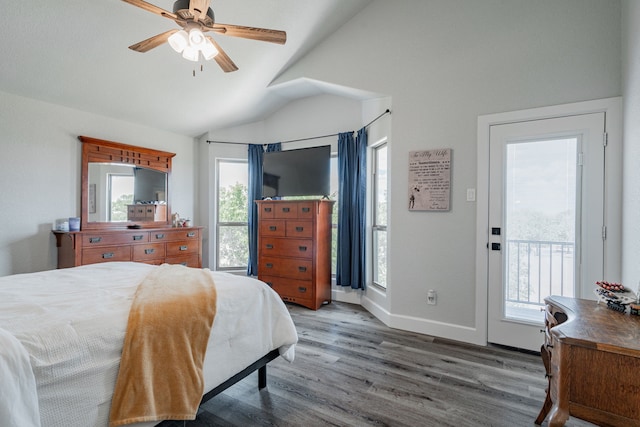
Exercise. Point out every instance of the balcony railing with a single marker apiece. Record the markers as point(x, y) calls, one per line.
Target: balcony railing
point(536, 269)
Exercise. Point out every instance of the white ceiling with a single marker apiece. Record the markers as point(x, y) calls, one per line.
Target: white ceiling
point(75, 53)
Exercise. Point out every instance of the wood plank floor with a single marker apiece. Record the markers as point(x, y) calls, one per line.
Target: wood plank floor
point(352, 370)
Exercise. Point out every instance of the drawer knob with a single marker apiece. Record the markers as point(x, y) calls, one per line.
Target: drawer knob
point(299, 229)
point(302, 289)
point(285, 209)
point(183, 247)
point(305, 210)
point(184, 263)
point(302, 248)
point(268, 246)
point(139, 237)
point(272, 228)
point(270, 284)
point(269, 265)
point(302, 269)
point(267, 209)
point(149, 251)
point(108, 255)
point(191, 234)
point(95, 239)
point(160, 236)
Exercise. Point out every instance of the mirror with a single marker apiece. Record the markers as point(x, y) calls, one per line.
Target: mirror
point(120, 193)
point(124, 185)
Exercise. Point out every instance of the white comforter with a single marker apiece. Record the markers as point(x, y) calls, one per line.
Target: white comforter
point(65, 328)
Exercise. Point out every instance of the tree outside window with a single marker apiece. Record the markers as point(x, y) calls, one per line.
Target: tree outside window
point(232, 240)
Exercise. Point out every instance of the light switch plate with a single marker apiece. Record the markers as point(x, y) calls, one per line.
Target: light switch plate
point(471, 194)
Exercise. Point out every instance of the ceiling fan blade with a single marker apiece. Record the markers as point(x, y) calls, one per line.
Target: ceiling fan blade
point(261, 34)
point(152, 8)
point(151, 42)
point(199, 8)
point(222, 58)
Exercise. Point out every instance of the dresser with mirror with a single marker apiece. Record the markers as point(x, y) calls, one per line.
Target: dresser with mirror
point(125, 211)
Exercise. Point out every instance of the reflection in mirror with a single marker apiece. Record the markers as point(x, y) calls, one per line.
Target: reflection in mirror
point(120, 193)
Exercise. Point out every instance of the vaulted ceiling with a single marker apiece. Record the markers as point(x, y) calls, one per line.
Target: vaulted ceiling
point(75, 53)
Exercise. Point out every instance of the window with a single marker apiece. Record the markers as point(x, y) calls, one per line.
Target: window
point(120, 195)
point(232, 240)
point(379, 226)
point(334, 217)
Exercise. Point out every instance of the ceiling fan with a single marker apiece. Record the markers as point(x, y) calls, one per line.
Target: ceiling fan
point(196, 18)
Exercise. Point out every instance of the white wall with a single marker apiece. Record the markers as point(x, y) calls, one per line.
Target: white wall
point(631, 171)
point(40, 174)
point(444, 63)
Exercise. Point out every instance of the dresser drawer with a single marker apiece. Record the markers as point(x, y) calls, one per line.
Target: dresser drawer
point(135, 212)
point(295, 248)
point(299, 229)
point(99, 239)
point(147, 252)
point(285, 267)
point(106, 254)
point(305, 210)
point(272, 227)
point(266, 210)
point(182, 248)
point(286, 210)
point(191, 260)
point(174, 234)
point(298, 291)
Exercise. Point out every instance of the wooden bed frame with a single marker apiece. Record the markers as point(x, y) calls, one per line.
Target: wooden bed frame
point(260, 365)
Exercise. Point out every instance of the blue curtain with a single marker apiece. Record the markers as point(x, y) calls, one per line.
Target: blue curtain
point(254, 192)
point(352, 176)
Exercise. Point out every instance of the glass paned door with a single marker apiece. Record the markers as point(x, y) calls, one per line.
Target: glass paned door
point(546, 199)
point(540, 223)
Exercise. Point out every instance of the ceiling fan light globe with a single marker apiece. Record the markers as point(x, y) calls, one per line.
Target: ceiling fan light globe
point(196, 38)
point(191, 53)
point(179, 40)
point(209, 51)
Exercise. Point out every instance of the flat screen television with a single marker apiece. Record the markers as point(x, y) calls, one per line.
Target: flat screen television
point(300, 172)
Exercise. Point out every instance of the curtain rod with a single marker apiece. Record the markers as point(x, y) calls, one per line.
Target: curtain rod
point(387, 111)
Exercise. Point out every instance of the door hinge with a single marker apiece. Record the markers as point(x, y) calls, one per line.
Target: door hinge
point(604, 232)
point(605, 139)
point(580, 159)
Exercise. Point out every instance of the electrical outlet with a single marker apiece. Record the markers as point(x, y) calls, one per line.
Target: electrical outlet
point(432, 297)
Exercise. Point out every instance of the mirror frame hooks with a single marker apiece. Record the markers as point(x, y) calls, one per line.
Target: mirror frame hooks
point(102, 151)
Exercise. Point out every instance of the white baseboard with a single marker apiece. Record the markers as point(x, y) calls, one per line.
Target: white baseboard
point(409, 323)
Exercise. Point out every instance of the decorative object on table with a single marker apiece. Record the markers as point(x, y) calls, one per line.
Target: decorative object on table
point(62, 224)
point(74, 223)
point(614, 295)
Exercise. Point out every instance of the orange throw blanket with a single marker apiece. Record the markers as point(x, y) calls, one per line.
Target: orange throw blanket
point(160, 376)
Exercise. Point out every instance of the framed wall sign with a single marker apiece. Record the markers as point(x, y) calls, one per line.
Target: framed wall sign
point(430, 180)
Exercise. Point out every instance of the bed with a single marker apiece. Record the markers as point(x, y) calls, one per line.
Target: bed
point(62, 332)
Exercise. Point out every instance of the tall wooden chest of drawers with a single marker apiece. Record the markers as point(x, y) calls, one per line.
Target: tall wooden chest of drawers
point(148, 245)
point(294, 249)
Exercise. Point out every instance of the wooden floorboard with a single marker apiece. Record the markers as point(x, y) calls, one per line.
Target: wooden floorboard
point(352, 370)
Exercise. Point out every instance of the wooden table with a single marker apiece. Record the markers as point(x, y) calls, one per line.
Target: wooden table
point(592, 357)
